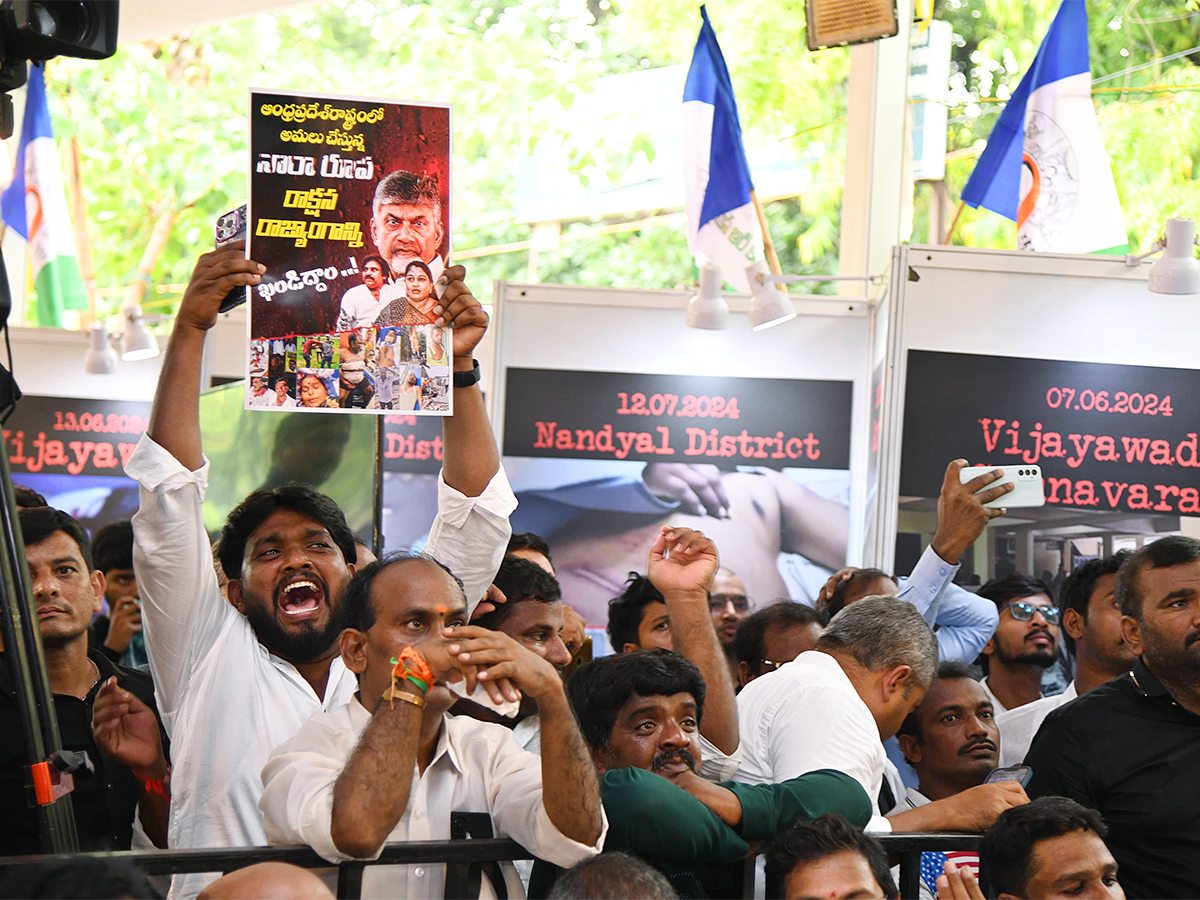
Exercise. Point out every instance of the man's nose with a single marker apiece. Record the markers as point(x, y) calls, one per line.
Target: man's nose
point(673, 735)
point(557, 653)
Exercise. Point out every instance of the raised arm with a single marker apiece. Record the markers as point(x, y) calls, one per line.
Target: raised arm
point(470, 457)
point(472, 529)
point(681, 564)
point(175, 418)
point(812, 526)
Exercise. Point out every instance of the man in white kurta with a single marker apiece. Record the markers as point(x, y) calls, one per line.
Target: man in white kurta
point(227, 690)
point(390, 765)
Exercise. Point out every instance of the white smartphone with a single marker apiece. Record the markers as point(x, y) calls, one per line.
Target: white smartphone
point(1028, 489)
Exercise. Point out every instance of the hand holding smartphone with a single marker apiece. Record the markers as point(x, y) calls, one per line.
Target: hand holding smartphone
point(1028, 487)
point(229, 228)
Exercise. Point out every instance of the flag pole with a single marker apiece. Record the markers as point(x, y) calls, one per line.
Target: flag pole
point(768, 244)
point(962, 204)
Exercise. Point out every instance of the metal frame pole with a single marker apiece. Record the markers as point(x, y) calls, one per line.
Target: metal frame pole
point(27, 666)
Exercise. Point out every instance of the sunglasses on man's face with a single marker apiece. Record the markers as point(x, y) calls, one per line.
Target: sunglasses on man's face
point(1023, 612)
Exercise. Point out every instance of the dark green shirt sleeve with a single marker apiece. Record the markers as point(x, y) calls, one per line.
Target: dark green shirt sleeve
point(768, 809)
point(650, 816)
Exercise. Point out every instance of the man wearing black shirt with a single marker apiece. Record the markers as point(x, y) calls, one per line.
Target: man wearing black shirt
point(66, 594)
point(1130, 749)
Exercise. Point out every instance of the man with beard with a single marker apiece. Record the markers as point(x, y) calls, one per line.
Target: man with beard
point(1091, 626)
point(236, 679)
point(1025, 643)
point(67, 591)
point(640, 713)
point(728, 604)
point(952, 742)
point(1130, 749)
point(362, 303)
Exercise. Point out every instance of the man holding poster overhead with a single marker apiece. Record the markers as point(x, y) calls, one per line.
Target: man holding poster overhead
point(235, 678)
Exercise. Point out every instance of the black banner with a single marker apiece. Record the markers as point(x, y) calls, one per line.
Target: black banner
point(412, 444)
point(1107, 437)
point(67, 436)
point(775, 423)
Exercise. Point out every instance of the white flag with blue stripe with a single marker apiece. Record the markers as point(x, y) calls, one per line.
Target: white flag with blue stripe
point(723, 228)
point(1045, 166)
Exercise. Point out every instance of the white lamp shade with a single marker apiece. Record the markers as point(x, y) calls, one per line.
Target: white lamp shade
point(137, 342)
point(100, 358)
point(1177, 271)
point(707, 309)
point(769, 305)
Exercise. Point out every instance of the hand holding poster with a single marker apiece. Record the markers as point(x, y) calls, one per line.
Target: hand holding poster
point(349, 212)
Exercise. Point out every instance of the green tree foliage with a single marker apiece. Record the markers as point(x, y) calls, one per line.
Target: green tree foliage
point(163, 133)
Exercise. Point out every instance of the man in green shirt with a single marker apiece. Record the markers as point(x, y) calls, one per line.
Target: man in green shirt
point(640, 713)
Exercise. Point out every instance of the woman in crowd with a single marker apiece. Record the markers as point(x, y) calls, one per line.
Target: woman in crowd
point(314, 393)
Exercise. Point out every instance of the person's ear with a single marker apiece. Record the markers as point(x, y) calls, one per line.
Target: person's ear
point(99, 585)
point(352, 644)
point(745, 676)
point(910, 747)
point(1004, 895)
point(1131, 631)
point(897, 680)
point(990, 647)
point(599, 759)
point(233, 590)
point(1072, 623)
point(629, 647)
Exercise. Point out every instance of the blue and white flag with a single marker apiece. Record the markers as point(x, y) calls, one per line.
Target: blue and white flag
point(1045, 166)
point(34, 205)
point(723, 228)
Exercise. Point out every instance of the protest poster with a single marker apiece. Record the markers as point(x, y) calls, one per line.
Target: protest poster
point(349, 212)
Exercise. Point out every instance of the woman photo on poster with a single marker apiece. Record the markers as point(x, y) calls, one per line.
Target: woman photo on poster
point(415, 307)
point(315, 389)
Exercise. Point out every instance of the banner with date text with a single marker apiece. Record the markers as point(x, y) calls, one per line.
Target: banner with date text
point(350, 212)
point(73, 452)
point(1107, 437)
point(600, 461)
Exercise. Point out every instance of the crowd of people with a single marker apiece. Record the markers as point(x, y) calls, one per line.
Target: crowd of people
point(284, 687)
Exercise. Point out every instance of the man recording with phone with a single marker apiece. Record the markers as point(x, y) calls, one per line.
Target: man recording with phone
point(120, 632)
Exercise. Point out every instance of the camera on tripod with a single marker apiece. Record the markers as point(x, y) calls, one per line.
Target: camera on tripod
point(38, 30)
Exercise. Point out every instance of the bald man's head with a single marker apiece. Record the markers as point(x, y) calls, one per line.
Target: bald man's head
point(267, 881)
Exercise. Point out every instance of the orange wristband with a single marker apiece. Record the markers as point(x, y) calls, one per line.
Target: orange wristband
point(411, 662)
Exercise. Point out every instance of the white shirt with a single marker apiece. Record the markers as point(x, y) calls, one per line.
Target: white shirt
point(359, 307)
point(477, 767)
point(224, 699)
point(287, 403)
point(806, 715)
point(266, 398)
point(1019, 726)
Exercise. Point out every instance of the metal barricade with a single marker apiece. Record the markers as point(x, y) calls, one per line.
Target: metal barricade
point(463, 858)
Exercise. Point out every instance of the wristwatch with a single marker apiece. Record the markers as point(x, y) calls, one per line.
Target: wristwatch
point(466, 379)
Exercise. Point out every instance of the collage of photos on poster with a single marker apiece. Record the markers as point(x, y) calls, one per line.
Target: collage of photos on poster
point(354, 234)
point(404, 368)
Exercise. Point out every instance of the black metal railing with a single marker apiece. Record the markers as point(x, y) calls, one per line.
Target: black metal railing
point(463, 859)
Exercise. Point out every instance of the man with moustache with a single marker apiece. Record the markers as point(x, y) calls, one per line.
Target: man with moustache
point(640, 713)
point(1025, 643)
point(389, 764)
point(1091, 626)
point(952, 742)
point(362, 303)
point(406, 225)
point(1130, 749)
point(234, 679)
